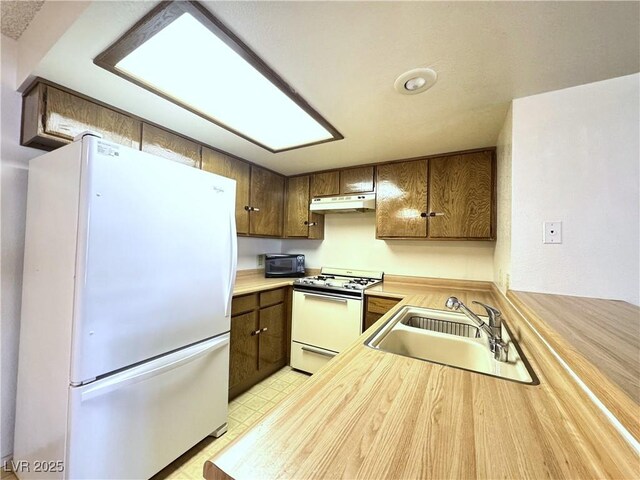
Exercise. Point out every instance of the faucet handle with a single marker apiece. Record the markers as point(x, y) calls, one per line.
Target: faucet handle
point(493, 313)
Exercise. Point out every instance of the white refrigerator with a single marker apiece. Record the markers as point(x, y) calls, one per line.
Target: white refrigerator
point(130, 261)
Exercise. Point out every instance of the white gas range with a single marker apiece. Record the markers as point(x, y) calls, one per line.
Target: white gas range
point(327, 314)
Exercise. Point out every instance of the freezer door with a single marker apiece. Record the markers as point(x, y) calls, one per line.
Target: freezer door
point(156, 258)
point(134, 423)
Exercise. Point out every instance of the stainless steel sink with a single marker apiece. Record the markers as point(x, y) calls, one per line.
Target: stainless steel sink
point(451, 339)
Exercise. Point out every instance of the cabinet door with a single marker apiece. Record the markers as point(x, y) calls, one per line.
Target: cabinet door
point(297, 209)
point(267, 198)
point(325, 184)
point(67, 115)
point(221, 164)
point(243, 356)
point(461, 187)
point(356, 180)
point(272, 337)
point(376, 308)
point(401, 200)
point(169, 145)
point(316, 226)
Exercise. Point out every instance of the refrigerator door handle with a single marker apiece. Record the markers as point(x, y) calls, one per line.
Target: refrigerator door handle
point(123, 379)
point(233, 262)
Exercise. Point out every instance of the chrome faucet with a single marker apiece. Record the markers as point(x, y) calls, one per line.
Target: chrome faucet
point(493, 329)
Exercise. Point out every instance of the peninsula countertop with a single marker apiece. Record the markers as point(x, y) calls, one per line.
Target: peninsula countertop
point(370, 414)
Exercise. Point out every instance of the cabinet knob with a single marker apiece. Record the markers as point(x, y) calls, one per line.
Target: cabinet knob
point(432, 214)
point(423, 214)
point(311, 224)
point(251, 209)
point(264, 329)
point(256, 332)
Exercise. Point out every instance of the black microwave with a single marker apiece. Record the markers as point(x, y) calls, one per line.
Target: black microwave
point(283, 265)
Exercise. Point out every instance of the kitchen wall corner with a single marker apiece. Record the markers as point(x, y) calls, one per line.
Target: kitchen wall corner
point(502, 255)
point(249, 248)
point(13, 205)
point(576, 160)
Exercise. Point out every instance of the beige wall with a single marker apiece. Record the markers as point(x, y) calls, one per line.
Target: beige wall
point(350, 243)
point(502, 255)
point(13, 210)
point(576, 159)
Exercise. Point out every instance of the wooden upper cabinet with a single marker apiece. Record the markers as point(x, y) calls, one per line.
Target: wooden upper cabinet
point(356, 180)
point(169, 145)
point(401, 200)
point(296, 223)
point(299, 221)
point(226, 166)
point(325, 184)
point(461, 187)
point(266, 203)
point(53, 117)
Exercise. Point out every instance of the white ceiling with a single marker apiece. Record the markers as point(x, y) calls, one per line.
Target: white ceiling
point(16, 15)
point(343, 58)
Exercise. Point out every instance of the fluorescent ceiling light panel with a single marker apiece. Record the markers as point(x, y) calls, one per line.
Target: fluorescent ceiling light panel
point(189, 64)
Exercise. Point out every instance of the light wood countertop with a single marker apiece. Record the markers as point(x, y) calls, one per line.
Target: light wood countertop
point(599, 340)
point(255, 282)
point(369, 414)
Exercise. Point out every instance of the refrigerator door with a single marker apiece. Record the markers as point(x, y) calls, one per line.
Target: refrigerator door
point(156, 258)
point(135, 422)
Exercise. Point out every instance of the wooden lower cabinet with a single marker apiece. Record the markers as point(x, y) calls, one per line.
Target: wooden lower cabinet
point(375, 308)
point(272, 347)
point(243, 354)
point(259, 338)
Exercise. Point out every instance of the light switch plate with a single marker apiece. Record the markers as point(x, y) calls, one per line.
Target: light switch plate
point(552, 232)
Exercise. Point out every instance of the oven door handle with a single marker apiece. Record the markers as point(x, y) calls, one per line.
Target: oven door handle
point(319, 352)
point(326, 297)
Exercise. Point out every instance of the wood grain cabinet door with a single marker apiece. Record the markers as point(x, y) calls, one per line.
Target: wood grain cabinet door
point(325, 184)
point(243, 356)
point(272, 337)
point(401, 200)
point(296, 222)
point(267, 200)
point(356, 180)
point(67, 115)
point(221, 164)
point(461, 187)
point(169, 145)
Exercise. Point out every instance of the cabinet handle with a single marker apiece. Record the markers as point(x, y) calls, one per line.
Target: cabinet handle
point(311, 224)
point(264, 329)
point(431, 214)
point(251, 209)
point(319, 352)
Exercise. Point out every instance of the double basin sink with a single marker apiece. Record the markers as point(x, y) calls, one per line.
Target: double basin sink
point(450, 338)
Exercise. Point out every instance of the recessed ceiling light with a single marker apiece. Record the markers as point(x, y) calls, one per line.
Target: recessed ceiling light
point(182, 53)
point(415, 81)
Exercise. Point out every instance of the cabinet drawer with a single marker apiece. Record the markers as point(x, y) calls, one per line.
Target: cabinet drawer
point(245, 303)
point(309, 359)
point(380, 305)
point(271, 297)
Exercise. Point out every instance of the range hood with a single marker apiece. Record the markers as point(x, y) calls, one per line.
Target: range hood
point(344, 203)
